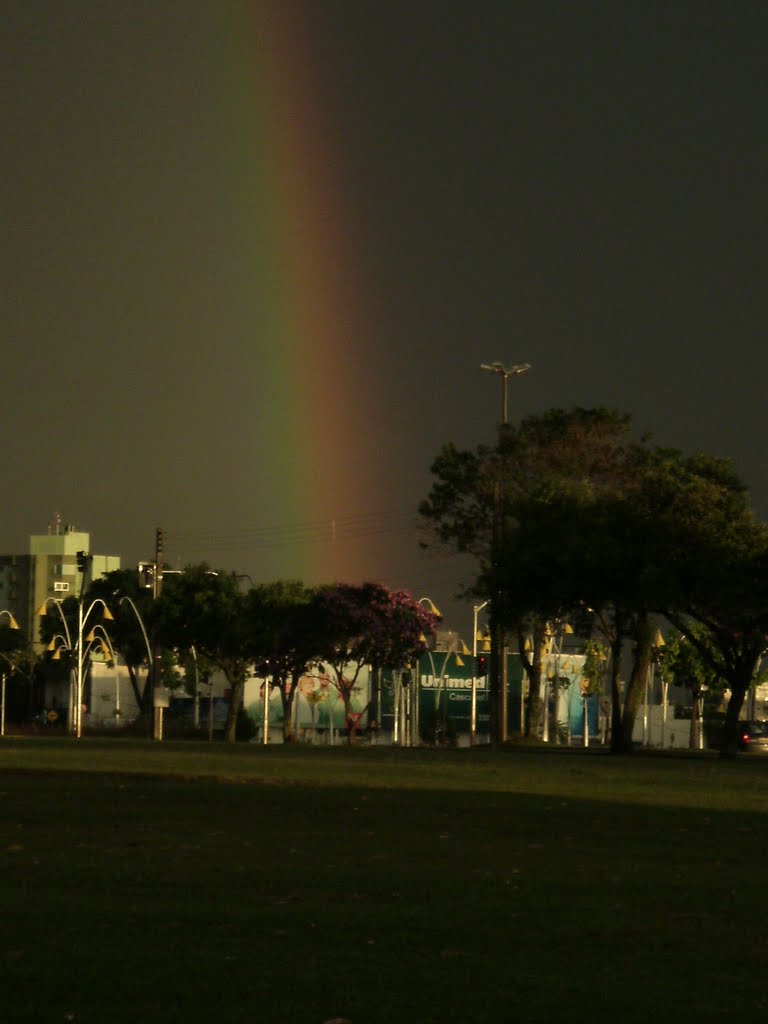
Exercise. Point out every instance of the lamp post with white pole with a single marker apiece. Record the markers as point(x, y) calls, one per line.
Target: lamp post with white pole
point(498, 679)
point(473, 706)
point(147, 646)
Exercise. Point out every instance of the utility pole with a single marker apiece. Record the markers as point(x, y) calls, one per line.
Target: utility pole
point(158, 576)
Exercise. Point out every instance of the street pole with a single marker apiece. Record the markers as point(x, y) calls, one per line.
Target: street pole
point(498, 681)
point(473, 706)
point(265, 716)
point(157, 585)
point(84, 562)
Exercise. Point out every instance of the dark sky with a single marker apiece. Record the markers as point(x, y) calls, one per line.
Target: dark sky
point(419, 187)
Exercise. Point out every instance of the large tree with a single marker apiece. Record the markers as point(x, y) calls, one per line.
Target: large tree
point(208, 611)
point(368, 625)
point(286, 640)
point(568, 512)
point(523, 509)
point(711, 555)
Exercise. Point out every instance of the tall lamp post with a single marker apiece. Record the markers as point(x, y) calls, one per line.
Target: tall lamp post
point(498, 680)
point(505, 373)
point(12, 624)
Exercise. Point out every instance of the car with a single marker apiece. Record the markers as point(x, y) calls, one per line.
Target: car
point(753, 736)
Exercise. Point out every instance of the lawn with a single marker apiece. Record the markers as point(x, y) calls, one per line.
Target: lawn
point(187, 882)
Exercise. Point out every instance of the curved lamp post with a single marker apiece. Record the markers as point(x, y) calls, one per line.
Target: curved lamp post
point(98, 638)
point(12, 624)
point(456, 648)
point(414, 694)
point(79, 650)
point(141, 626)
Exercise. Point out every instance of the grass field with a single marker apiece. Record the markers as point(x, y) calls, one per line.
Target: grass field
point(186, 882)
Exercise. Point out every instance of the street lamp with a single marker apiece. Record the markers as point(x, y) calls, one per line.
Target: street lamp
point(12, 624)
point(473, 706)
point(98, 640)
point(498, 680)
point(80, 651)
point(505, 373)
point(414, 693)
point(455, 649)
point(143, 633)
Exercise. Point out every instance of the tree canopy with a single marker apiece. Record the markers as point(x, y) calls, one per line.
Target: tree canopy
point(569, 512)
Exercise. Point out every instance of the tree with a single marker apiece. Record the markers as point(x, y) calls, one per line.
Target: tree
point(208, 611)
point(286, 639)
point(715, 558)
point(524, 509)
point(683, 665)
point(568, 512)
point(16, 663)
point(728, 626)
point(367, 624)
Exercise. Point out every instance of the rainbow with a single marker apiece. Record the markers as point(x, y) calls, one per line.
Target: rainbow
point(296, 233)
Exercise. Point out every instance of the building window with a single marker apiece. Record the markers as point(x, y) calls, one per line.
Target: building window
point(59, 586)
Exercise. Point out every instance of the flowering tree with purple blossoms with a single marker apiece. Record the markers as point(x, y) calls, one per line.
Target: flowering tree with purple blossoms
point(367, 624)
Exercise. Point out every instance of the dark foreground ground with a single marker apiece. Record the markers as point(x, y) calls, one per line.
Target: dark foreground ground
point(177, 882)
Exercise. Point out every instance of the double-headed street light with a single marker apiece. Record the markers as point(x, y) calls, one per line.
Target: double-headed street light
point(505, 373)
point(498, 679)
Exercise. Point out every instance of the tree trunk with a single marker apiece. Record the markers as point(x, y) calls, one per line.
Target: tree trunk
point(535, 705)
point(374, 712)
point(729, 743)
point(236, 687)
point(695, 692)
point(616, 714)
point(635, 686)
point(638, 679)
point(137, 693)
point(287, 697)
point(351, 728)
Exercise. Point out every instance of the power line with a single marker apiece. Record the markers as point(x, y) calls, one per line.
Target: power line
point(348, 527)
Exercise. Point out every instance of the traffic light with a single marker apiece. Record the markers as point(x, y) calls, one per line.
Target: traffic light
point(146, 573)
point(82, 561)
point(481, 665)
